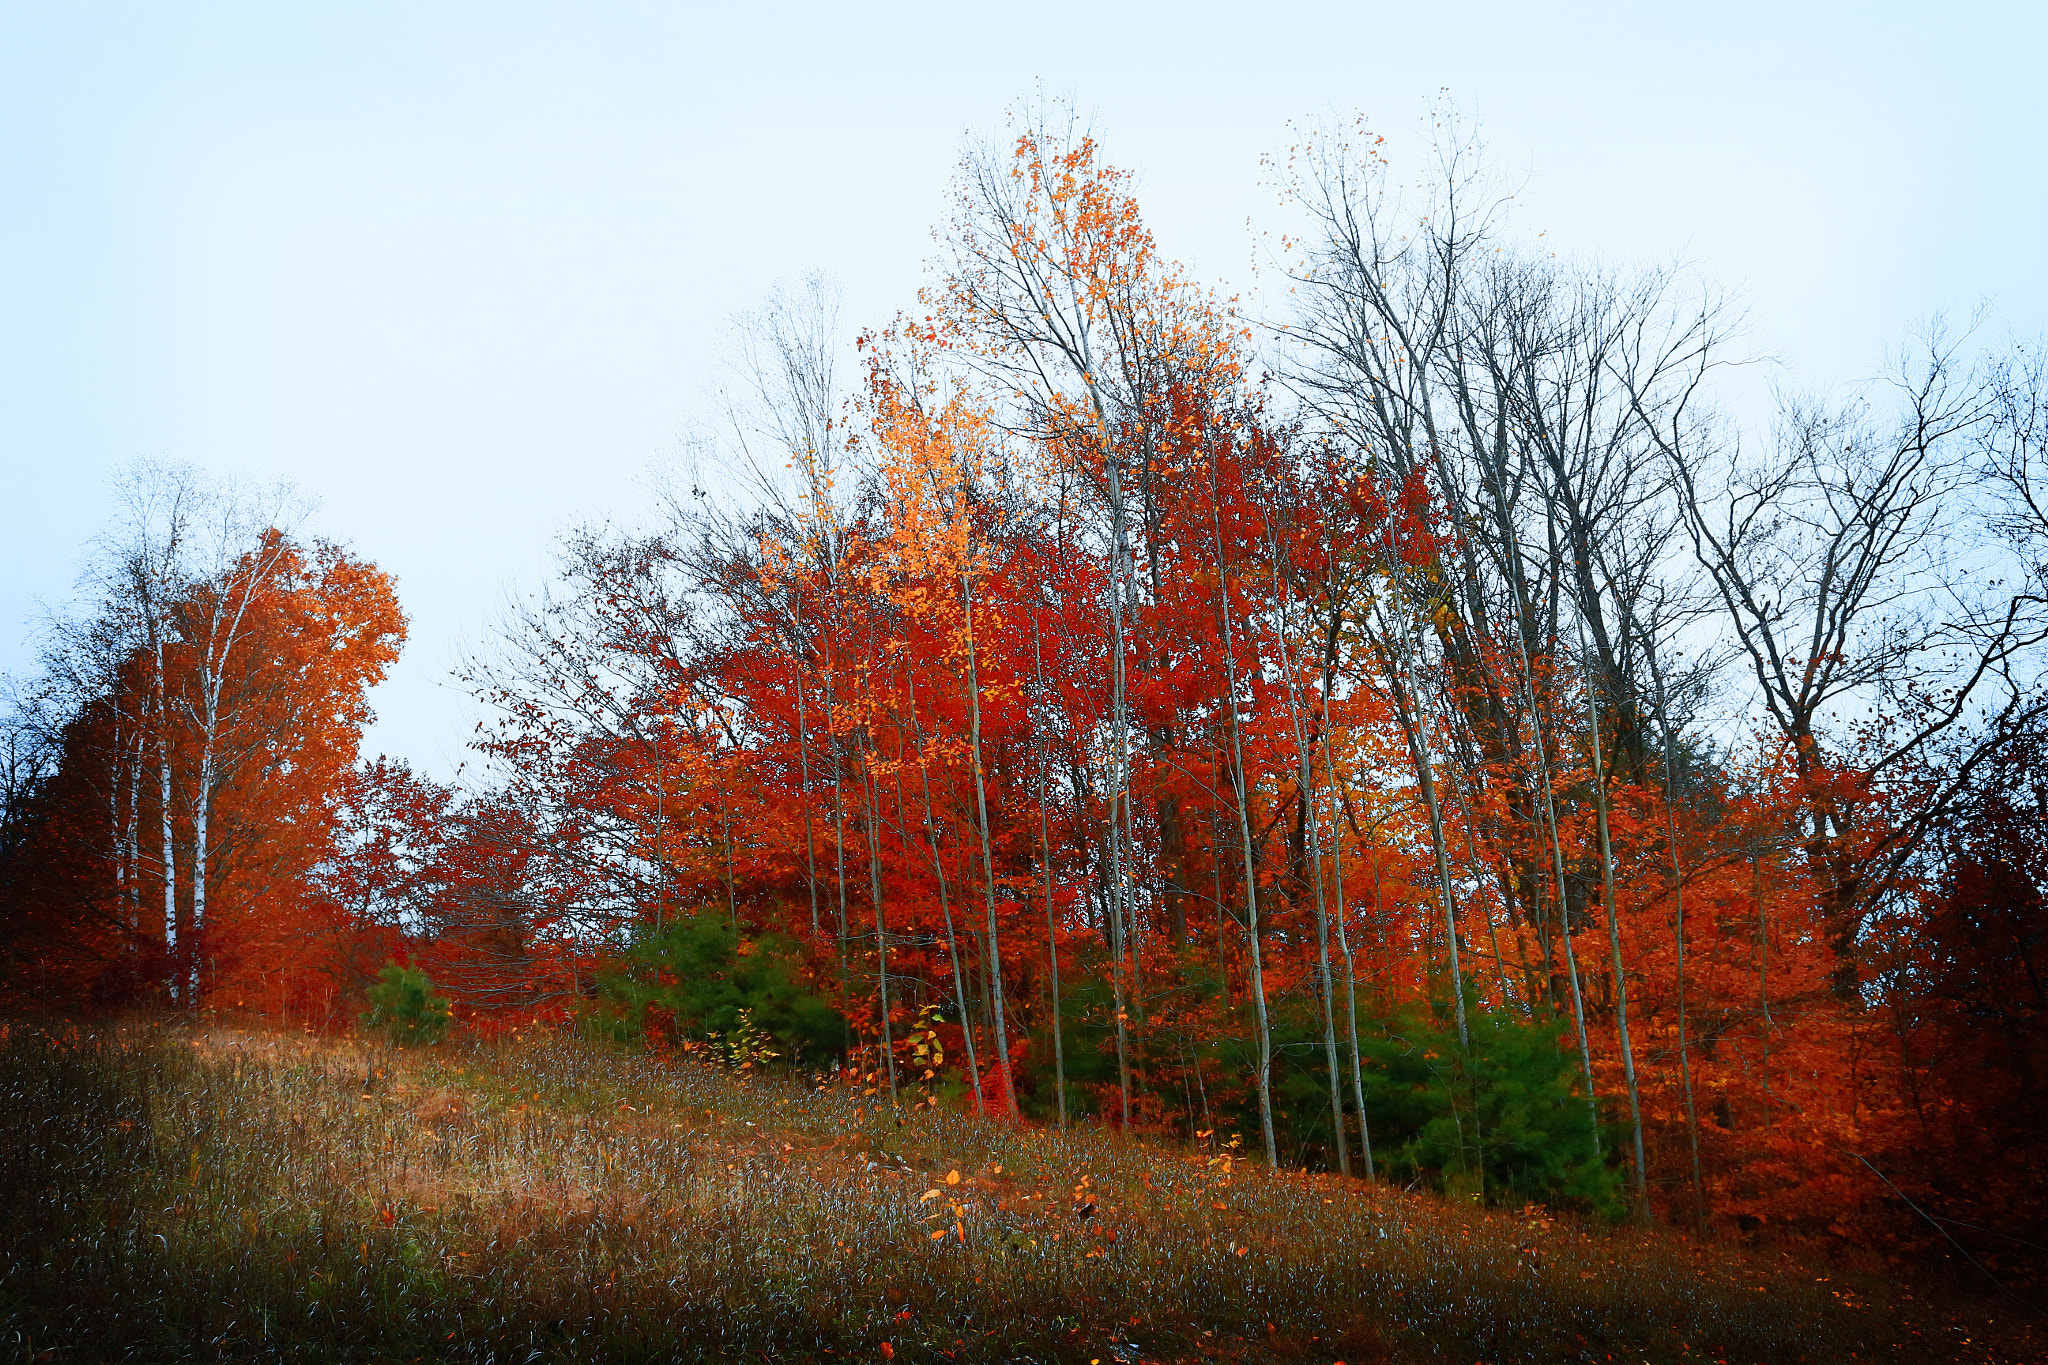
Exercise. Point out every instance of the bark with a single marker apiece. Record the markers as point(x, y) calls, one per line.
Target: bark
point(1418, 751)
point(1692, 1122)
point(945, 905)
point(881, 925)
point(988, 866)
point(1244, 831)
point(1597, 742)
point(1052, 942)
point(1325, 992)
point(1343, 933)
point(803, 755)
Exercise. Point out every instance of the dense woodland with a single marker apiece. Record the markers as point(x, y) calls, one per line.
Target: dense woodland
point(1421, 735)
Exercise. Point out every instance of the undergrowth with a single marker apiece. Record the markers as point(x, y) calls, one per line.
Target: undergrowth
point(178, 1193)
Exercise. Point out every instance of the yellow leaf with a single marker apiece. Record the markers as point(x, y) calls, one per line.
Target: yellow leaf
point(952, 1177)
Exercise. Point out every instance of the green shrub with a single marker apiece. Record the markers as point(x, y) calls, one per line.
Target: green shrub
point(406, 1008)
point(692, 980)
point(1511, 1119)
point(1507, 1122)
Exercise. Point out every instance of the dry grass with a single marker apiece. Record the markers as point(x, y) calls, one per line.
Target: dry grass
point(224, 1193)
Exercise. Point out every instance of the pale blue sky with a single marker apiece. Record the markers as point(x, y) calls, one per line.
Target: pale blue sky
point(459, 270)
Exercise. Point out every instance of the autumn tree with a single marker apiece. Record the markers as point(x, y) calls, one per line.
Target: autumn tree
point(207, 712)
point(1331, 753)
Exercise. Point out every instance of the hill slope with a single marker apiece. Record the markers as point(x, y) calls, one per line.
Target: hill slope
point(229, 1193)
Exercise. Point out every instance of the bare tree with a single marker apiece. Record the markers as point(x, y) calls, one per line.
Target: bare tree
point(2017, 447)
point(1869, 613)
point(1528, 396)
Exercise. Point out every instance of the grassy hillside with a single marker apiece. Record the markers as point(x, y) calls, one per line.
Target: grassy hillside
point(222, 1192)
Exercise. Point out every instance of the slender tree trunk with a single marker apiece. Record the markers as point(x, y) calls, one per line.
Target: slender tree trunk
point(1216, 873)
point(988, 866)
point(732, 898)
point(1325, 992)
point(225, 624)
point(1052, 954)
point(661, 830)
point(202, 807)
point(1120, 738)
point(1244, 832)
point(1052, 943)
point(1461, 792)
point(1763, 981)
point(1418, 751)
point(1119, 995)
point(873, 814)
point(1400, 681)
point(1564, 910)
point(1628, 1056)
point(945, 905)
point(803, 758)
point(1251, 901)
point(172, 946)
point(136, 762)
point(1344, 942)
point(117, 830)
point(825, 541)
point(1134, 938)
point(832, 747)
point(1692, 1123)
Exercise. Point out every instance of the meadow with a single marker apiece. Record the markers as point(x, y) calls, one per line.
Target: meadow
point(237, 1192)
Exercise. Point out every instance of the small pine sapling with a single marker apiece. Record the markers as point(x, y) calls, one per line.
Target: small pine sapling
point(406, 1008)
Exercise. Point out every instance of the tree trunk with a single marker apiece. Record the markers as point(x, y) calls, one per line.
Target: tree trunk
point(1325, 993)
point(1052, 943)
point(988, 865)
point(1344, 940)
point(1628, 1056)
point(945, 905)
point(1244, 831)
point(1692, 1122)
point(881, 926)
point(1418, 752)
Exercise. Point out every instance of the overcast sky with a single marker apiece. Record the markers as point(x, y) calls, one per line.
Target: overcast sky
point(460, 270)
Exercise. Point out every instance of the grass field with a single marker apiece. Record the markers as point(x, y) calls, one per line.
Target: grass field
point(221, 1192)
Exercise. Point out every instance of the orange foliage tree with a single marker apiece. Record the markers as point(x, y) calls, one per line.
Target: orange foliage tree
point(205, 725)
point(1322, 764)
